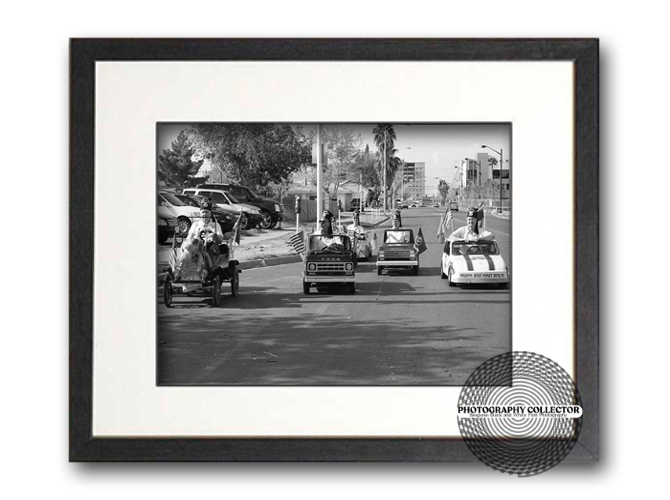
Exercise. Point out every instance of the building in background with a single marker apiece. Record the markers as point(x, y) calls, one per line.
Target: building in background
point(480, 173)
point(415, 180)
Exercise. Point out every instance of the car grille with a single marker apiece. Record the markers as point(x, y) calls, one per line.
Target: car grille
point(396, 255)
point(330, 267)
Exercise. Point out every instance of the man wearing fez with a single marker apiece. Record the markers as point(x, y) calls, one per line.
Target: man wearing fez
point(471, 231)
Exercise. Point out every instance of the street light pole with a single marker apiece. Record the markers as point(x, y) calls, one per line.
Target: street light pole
point(501, 169)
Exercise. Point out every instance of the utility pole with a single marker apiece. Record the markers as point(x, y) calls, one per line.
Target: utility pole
point(319, 173)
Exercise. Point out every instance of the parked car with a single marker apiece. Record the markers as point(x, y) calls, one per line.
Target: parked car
point(271, 211)
point(453, 206)
point(473, 262)
point(226, 217)
point(226, 200)
point(398, 251)
point(167, 226)
point(186, 215)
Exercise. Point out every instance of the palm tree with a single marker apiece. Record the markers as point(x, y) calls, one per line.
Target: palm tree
point(384, 140)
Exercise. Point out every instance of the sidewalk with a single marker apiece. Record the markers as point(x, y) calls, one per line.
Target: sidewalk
point(253, 237)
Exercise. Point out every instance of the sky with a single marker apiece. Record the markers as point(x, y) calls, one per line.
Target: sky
point(440, 146)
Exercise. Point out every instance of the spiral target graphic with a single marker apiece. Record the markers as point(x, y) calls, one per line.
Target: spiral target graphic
point(520, 440)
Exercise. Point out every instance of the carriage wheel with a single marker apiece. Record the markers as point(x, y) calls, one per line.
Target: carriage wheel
point(216, 291)
point(235, 283)
point(167, 292)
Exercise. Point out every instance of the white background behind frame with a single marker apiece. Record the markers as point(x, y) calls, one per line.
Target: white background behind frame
point(536, 97)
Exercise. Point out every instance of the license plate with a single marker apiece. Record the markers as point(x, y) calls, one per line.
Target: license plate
point(483, 275)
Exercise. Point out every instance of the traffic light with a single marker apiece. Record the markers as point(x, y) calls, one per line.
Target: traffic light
point(297, 204)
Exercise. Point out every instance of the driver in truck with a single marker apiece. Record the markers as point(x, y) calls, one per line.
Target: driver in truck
point(326, 229)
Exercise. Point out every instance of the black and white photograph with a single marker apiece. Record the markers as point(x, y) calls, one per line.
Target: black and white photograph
point(343, 254)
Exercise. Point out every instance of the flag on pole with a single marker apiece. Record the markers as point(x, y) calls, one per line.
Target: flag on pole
point(172, 259)
point(446, 224)
point(236, 229)
point(297, 241)
point(420, 242)
point(449, 219)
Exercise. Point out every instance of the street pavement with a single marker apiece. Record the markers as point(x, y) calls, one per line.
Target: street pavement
point(398, 329)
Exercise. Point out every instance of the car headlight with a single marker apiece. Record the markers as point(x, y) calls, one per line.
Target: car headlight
point(349, 266)
point(255, 212)
point(311, 266)
point(276, 208)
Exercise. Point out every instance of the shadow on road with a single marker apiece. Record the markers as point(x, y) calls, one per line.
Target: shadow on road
point(238, 349)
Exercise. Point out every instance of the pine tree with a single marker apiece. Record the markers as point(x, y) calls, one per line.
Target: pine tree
point(176, 166)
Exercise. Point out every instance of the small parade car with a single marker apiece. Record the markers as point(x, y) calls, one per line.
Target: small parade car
point(329, 260)
point(361, 243)
point(473, 262)
point(398, 251)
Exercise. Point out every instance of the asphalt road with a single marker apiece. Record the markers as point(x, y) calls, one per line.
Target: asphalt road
point(398, 329)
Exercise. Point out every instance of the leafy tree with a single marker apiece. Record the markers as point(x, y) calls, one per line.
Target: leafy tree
point(364, 170)
point(443, 188)
point(176, 166)
point(343, 150)
point(260, 156)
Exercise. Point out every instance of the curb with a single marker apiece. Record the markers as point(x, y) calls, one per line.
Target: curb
point(273, 261)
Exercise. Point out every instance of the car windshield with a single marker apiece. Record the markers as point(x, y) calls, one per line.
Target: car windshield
point(188, 200)
point(478, 248)
point(231, 197)
point(252, 194)
point(398, 236)
point(336, 243)
point(173, 199)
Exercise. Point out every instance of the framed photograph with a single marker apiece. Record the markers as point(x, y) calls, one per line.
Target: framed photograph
point(266, 234)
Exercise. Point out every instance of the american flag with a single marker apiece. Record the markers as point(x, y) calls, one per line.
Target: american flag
point(448, 219)
point(446, 224)
point(297, 241)
point(236, 229)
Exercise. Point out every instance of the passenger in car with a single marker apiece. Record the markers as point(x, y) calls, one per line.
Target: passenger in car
point(205, 240)
point(470, 232)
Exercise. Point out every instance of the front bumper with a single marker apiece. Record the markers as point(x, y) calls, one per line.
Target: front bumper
point(475, 277)
point(329, 279)
point(397, 263)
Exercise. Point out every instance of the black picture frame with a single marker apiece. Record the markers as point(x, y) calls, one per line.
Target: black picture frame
point(84, 53)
